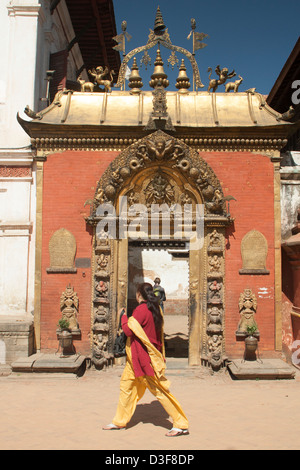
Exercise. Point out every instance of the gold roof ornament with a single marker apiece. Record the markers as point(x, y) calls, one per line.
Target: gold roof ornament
point(183, 83)
point(159, 36)
point(159, 75)
point(197, 37)
point(112, 120)
point(120, 38)
point(159, 22)
point(135, 81)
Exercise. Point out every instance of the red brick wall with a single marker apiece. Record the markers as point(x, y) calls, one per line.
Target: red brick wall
point(70, 179)
point(249, 178)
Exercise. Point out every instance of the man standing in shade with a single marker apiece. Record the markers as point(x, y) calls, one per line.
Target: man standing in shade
point(159, 292)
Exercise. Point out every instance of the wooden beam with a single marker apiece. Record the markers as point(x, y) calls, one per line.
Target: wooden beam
point(53, 5)
point(94, 5)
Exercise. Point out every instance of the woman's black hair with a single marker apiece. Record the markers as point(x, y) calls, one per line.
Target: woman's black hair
point(146, 291)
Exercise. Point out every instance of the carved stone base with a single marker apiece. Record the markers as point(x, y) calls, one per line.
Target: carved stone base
point(16, 338)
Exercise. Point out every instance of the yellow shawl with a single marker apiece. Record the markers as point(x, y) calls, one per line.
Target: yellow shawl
point(156, 358)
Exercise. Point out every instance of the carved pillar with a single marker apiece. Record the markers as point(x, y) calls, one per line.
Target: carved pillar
point(102, 301)
point(214, 346)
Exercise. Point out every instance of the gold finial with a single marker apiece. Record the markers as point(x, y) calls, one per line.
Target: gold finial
point(183, 83)
point(159, 25)
point(159, 75)
point(135, 81)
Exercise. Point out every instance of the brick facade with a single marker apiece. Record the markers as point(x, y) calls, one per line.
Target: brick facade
point(70, 179)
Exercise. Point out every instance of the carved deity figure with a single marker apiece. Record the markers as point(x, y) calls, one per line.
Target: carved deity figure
point(214, 346)
point(215, 240)
point(247, 308)
point(102, 289)
point(99, 73)
point(223, 76)
point(214, 320)
point(102, 262)
point(161, 148)
point(159, 191)
point(101, 356)
point(215, 264)
point(69, 307)
point(214, 291)
point(102, 241)
point(101, 314)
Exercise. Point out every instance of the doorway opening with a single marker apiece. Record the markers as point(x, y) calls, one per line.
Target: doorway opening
point(168, 260)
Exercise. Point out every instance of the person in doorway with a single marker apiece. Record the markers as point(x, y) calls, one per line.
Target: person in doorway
point(145, 364)
point(159, 291)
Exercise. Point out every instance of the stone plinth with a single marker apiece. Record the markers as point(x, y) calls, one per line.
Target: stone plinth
point(16, 338)
point(266, 369)
point(51, 363)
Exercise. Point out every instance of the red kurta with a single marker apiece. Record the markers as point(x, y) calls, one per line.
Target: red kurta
point(140, 357)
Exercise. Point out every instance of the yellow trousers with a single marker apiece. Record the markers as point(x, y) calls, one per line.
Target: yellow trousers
point(132, 390)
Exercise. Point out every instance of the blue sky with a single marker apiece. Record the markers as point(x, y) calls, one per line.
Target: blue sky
point(253, 37)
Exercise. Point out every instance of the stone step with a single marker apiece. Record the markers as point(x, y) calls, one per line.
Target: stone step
point(266, 369)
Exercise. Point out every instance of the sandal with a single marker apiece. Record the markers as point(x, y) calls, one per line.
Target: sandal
point(174, 432)
point(112, 427)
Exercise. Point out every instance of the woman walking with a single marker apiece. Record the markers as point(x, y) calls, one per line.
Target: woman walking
point(145, 364)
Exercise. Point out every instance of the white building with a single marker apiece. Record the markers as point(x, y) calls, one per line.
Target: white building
point(37, 36)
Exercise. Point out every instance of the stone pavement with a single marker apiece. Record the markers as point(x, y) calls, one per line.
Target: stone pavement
point(64, 412)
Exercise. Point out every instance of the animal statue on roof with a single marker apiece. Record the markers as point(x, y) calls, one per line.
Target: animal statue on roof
point(223, 76)
point(85, 86)
point(233, 85)
point(98, 75)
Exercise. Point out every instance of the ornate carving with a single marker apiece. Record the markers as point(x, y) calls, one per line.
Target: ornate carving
point(215, 241)
point(247, 308)
point(254, 250)
point(183, 83)
point(62, 250)
point(101, 321)
point(165, 150)
point(215, 316)
point(159, 191)
point(223, 76)
point(233, 85)
point(99, 73)
point(101, 356)
point(85, 86)
point(215, 265)
point(102, 290)
point(135, 81)
point(69, 304)
point(215, 292)
point(102, 269)
point(215, 299)
point(215, 355)
point(159, 36)
point(102, 242)
point(9, 171)
point(154, 170)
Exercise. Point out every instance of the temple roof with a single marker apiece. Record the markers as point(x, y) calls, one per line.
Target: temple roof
point(194, 110)
point(107, 116)
point(121, 114)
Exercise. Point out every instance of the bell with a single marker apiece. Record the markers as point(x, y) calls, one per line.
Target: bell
point(159, 22)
